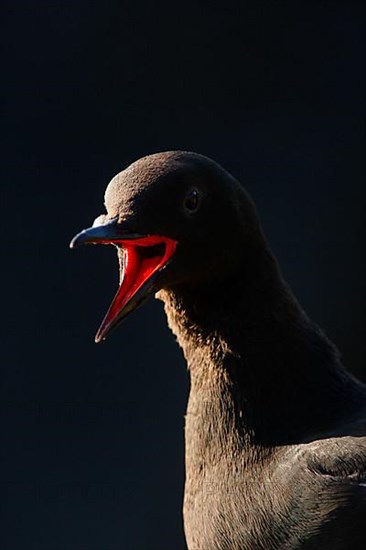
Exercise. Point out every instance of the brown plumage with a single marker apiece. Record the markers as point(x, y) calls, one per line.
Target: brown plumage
point(275, 426)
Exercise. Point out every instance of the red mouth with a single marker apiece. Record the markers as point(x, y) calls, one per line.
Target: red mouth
point(143, 258)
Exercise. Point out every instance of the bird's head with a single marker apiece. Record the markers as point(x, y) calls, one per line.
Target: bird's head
point(176, 218)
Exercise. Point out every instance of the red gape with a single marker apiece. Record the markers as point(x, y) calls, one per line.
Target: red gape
point(139, 265)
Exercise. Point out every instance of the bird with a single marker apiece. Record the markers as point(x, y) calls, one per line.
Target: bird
point(275, 441)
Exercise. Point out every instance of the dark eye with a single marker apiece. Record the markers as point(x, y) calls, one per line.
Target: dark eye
point(192, 201)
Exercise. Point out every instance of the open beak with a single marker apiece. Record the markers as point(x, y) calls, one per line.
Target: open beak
point(143, 259)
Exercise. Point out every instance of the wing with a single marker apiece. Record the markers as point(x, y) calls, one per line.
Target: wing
point(338, 466)
point(344, 527)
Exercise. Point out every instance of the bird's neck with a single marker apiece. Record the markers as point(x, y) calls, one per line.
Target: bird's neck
point(261, 371)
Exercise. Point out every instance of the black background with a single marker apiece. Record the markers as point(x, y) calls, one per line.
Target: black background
point(92, 436)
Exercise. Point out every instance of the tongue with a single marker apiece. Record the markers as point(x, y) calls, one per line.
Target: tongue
point(141, 259)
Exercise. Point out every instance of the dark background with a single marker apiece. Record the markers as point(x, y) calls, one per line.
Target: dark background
point(92, 436)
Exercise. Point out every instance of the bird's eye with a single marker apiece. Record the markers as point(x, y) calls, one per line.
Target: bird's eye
point(192, 201)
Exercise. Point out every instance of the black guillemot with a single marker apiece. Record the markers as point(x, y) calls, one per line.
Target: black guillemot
point(275, 425)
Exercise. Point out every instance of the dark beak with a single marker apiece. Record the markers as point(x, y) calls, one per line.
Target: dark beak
point(106, 233)
point(144, 257)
